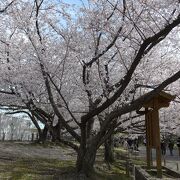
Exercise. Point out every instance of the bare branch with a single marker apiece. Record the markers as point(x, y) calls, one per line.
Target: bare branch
point(37, 22)
point(7, 6)
point(66, 104)
point(106, 49)
point(8, 92)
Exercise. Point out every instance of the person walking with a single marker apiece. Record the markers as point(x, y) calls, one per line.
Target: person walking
point(130, 145)
point(125, 144)
point(163, 148)
point(171, 147)
point(136, 145)
point(178, 145)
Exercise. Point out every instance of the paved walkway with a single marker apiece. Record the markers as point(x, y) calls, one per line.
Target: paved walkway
point(172, 162)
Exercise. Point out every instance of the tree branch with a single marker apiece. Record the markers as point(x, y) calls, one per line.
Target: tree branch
point(145, 47)
point(3, 10)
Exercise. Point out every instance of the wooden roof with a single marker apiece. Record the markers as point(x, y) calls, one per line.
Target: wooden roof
point(162, 99)
point(166, 96)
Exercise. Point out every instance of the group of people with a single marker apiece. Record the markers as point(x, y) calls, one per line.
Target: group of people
point(170, 145)
point(131, 144)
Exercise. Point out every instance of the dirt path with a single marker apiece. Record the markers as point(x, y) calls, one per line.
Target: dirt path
point(27, 150)
point(26, 161)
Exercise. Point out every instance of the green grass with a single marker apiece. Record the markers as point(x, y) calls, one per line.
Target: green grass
point(113, 171)
point(33, 169)
point(41, 168)
point(27, 169)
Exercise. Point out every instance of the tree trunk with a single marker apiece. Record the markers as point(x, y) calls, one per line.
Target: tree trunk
point(32, 137)
point(89, 128)
point(108, 150)
point(3, 138)
point(56, 132)
point(43, 135)
point(85, 160)
point(86, 153)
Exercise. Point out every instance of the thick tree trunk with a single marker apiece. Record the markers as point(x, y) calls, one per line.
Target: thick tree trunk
point(86, 154)
point(56, 132)
point(40, 137)
point(85, 160)
point(43, 135)
point(108, 150)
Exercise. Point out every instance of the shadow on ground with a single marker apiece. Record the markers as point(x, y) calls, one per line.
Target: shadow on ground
point(36, 166)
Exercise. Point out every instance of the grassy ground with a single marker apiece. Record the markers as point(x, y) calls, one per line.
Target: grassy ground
point(33, 169)
point(25, 161)
point(26, 169)
point(28, 162)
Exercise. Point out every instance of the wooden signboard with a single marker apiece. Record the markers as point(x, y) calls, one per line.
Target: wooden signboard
point(152, 127)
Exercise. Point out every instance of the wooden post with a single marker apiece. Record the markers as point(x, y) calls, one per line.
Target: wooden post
point(151, 160)
point(164, 160)
point(149, 136)
point(148, 149)
point(153, 137)
point(158, 139)
point(158, 162)
point(177, 166)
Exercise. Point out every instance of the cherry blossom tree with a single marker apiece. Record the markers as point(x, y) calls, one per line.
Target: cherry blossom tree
point(90, 62)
